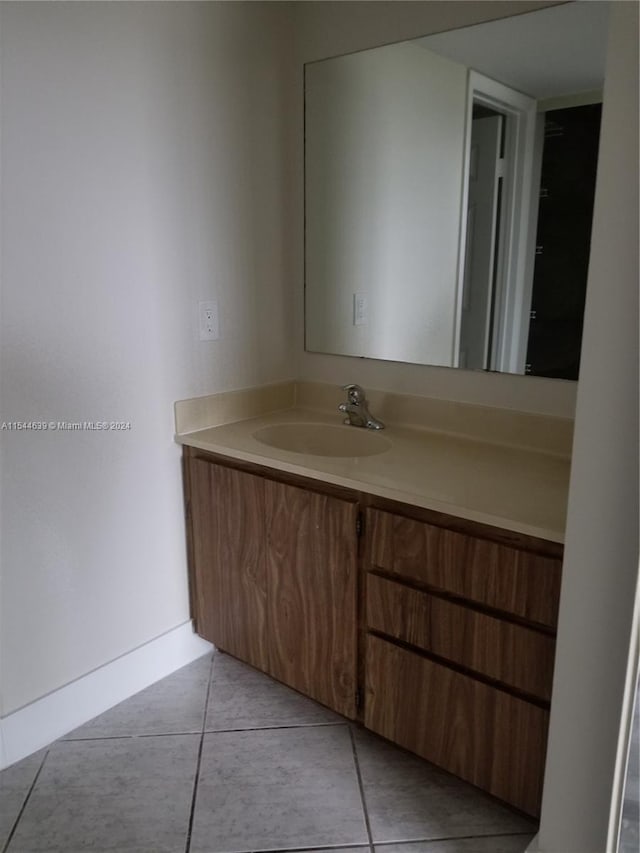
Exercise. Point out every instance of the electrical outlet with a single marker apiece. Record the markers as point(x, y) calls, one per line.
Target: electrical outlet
point(209, 321)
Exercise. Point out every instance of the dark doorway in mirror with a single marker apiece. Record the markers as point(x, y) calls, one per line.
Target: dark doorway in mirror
point(563, 240)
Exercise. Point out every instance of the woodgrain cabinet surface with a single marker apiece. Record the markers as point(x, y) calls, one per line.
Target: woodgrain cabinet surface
point(486, 736)
point(444, 627)
point(515, 580)
point(229, 566)
point(513, 655)
point(311, 558)
point(461, 633)
point(274, 576)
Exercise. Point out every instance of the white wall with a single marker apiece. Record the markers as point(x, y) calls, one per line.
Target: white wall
point(143, 170)
point(600, 569)
point(334, 28)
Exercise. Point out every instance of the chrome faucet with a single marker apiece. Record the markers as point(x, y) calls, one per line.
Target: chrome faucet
point(356, 409)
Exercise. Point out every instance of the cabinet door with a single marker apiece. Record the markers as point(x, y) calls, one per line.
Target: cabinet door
point(312, 569)
point(228, 535)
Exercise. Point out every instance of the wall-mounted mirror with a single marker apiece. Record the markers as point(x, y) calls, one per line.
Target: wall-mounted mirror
point(449, 186)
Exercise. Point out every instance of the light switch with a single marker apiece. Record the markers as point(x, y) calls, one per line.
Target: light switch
point(360, 309)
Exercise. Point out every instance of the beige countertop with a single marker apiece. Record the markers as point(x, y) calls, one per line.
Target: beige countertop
point(506, 486)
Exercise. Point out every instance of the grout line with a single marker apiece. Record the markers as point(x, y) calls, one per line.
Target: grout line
point(320, 849)
point(128, 737)
point(435, 839)
point(276, 727)
point(361, 787)
point(24, 805)
point(199, 761)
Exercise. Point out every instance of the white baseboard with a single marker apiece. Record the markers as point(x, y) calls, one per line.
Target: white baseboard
point(54, 715)
point(3, 755)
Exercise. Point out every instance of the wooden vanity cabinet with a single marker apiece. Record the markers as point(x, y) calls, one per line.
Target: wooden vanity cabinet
point(460, 648)
point(445, 627)
point(274, 577)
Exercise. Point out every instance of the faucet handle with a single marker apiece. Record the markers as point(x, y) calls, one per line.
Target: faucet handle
point(355, 393)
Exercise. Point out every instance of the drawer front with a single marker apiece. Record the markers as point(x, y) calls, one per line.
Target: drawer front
point(508, 579)
point(481, 734)
point(518, 657)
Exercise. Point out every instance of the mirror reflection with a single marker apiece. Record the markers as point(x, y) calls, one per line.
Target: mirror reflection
point(449, 187)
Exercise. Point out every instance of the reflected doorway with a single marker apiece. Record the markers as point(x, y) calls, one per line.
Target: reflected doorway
point(563, 241)
point(530, 187)
point(486, 162)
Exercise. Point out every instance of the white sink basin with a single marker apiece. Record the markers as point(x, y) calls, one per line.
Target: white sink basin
point(323, 439)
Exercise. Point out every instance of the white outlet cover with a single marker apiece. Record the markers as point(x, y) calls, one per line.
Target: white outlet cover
point(209, 321)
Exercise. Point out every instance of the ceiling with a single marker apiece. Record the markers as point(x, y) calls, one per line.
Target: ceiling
point(549, 53)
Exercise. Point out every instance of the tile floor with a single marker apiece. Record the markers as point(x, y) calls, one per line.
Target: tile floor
point(629, 841)
point(218, 758)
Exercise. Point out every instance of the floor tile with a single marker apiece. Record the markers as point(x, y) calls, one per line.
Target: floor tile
point(173, 705)
point(630, 824)
point(131, 795)
point(277, 789)
point(409, 800)
point(490, 844)
point(15, 783)
point(243, 698)
point(629, 836)
point(334, 850)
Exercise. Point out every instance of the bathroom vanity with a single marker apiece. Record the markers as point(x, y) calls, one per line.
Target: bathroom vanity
point(434, 629)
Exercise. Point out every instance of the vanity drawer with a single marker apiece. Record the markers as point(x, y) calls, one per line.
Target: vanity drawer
point(514, 655)
point(479, 733)
point(515, 581)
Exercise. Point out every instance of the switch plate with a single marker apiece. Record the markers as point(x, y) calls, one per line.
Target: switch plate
point(360, 309)
point(209, 320)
